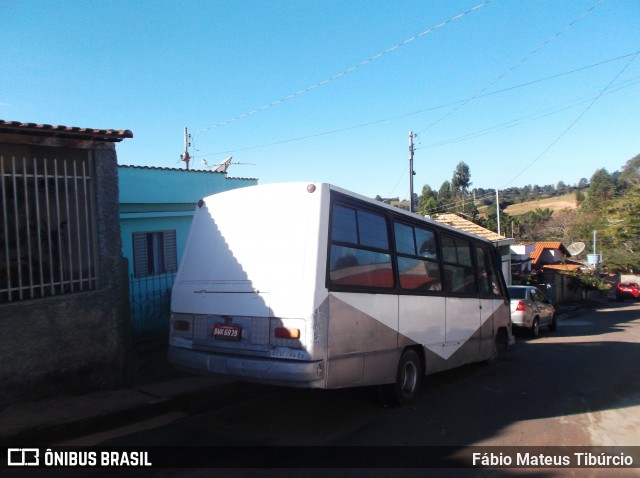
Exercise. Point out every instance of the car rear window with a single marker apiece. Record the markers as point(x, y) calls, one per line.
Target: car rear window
point(628, 284)
point(517, 293)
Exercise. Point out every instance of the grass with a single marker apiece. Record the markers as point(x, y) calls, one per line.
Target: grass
point(556, 203)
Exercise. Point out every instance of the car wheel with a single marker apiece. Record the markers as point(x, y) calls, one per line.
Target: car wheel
point(535, 327)
point(408, 380)
point(554, 323)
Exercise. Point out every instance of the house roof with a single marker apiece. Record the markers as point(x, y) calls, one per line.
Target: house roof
point(182, 170)
point(542, 246)
point(456, 221)
point(562, 267)
point(71, 132)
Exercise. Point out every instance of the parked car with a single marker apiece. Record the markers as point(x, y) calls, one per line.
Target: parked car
point(627, 290)
point(530, 309)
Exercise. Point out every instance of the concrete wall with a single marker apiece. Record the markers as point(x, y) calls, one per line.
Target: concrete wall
point(76, 341)
point(630, 278)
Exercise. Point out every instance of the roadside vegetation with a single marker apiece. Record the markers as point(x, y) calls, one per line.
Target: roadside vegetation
point(606, 206)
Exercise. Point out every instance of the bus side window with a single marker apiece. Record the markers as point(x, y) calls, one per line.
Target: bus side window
point(484, 273)
point(417, 258)
point(459, 270)
point(359, 255)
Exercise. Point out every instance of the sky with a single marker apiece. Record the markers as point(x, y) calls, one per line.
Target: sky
point(524, 92)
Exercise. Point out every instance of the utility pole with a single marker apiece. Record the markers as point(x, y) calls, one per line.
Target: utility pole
point(411, 172)
point(498, 210)
point(185, 156)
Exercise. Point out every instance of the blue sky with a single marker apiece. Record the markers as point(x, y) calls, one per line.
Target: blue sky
point(524, 92)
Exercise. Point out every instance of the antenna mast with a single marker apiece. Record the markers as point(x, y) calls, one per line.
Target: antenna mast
point(185, 156)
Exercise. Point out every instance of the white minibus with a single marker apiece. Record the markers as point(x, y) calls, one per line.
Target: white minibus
point(309, 285)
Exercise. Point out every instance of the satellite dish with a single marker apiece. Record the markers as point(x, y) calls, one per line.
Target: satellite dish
point(576, 248)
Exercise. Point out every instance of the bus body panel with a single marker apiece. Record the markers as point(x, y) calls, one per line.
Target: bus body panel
point(362, 339)
point(424, 320)
point(255, 267)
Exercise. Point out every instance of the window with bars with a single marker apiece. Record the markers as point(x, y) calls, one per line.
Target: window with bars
point(47, 236)
point(154, 253)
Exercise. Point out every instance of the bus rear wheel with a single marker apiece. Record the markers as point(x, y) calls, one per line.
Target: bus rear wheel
point(408, 380)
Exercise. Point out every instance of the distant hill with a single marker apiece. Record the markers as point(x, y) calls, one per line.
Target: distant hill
point(555, 203)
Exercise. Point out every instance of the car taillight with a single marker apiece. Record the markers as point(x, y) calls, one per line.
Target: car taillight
point(521, 306)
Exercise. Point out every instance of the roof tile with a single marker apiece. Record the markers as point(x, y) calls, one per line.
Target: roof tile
point(60, 130)
point(456, 221)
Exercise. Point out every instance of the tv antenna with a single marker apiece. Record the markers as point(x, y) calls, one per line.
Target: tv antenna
point(223, 166)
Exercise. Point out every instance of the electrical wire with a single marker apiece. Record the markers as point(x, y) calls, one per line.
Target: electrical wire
point(420, 111)
point(525, 119)
point(515, 66)
point(572, 124)
point(348, 70)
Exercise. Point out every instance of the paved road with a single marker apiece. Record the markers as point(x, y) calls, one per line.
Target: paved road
point(578, 386)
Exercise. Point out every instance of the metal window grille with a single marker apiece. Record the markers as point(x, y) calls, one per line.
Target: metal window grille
point(46, 227)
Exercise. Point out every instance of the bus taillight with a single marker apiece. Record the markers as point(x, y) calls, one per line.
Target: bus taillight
point(181, 325)
point(287, 333)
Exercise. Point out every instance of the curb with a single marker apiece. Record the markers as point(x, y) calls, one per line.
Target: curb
point(143, 405)
point(47, 434)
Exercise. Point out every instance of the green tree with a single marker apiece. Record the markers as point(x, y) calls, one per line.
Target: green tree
point(461, 180)
point(427, 201)
point(491, 222)
point(621, 232)
point(444, 193)
point(630, 174)
point(601, 189)
point(460, 189)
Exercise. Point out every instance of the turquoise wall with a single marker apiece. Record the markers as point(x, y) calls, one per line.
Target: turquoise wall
point(145, 185)
point(158, 199)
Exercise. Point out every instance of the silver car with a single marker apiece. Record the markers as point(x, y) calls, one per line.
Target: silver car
point(530, 309)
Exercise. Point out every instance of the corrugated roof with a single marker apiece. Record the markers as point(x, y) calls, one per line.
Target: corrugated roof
point(456, 221)
point(75, 132)
point(182, 170)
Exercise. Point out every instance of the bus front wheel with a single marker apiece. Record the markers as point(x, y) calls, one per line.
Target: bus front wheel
point(408, 380)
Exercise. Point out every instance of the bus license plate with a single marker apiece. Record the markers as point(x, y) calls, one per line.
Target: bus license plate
point(226, 332)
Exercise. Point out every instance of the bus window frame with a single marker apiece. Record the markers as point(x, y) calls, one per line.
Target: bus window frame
point(358, 206)
point(391, 218)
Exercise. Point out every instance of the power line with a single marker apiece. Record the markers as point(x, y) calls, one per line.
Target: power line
point(420, 111)
point(553, 143)
point(512, 68)
point(525, 119)
point(348, 70)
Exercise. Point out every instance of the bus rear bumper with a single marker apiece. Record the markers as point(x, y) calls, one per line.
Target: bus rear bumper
point(285, 372)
